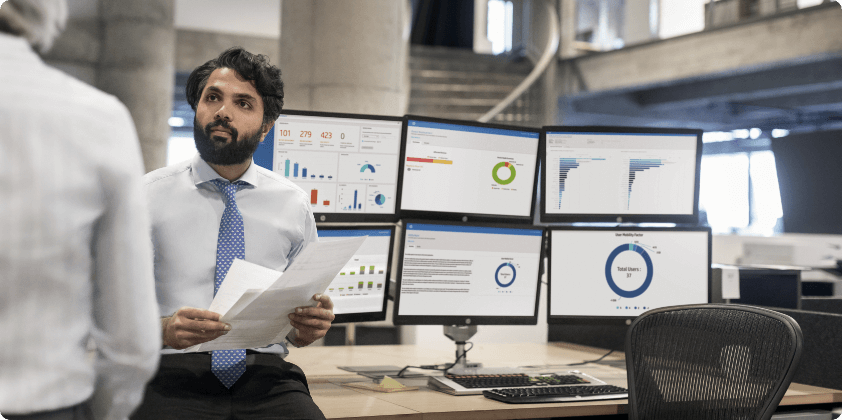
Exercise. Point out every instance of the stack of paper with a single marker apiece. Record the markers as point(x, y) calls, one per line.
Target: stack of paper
point(256, 301)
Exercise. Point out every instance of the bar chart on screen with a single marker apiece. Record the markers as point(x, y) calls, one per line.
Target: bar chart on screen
point(351, 197)
point(320, 151)
point(361, 284)
point(306, 166)
point(572, 179)
point(653, 173)
point(322, 196)
point(596, 173)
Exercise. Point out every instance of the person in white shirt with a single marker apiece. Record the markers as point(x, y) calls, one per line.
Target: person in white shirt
point(206, 212)
point(79, 326)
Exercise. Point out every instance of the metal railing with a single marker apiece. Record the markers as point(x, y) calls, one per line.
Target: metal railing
point(546, 58)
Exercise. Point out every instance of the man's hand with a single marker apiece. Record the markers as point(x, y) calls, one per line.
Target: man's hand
point(312, 322)
point(190, 326)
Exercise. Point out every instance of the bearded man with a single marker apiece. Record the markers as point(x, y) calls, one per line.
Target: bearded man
point(205, 213)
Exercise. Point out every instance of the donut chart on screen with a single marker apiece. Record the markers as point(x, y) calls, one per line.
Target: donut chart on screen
point(502, 181)
point(610, 263)
point(508, 266)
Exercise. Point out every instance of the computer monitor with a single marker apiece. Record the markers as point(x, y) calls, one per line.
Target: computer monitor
point(468, 274)
point(348, 164)
point(462, 275)
point(620, 174)
point(361, 290)
point(461, 170)
point(612, 275)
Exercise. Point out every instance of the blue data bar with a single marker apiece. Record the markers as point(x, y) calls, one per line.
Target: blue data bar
point(353, 232)
point(474, 229)
point(622, 134)
point(472, 129)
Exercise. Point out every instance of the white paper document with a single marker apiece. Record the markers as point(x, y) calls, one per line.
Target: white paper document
point(730, 283)
point(256, 301)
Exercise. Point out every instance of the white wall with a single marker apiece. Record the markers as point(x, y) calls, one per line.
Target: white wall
point(679, 17)
point(808, 250)
point(241, 17)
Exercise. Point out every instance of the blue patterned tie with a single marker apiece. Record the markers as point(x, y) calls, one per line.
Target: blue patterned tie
point(228, 365)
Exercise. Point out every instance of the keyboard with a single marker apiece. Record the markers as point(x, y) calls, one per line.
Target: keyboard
point(515, 380)
point(477, 384)
point(551, 394)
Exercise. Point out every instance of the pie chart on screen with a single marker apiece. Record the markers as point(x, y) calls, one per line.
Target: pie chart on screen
point(505, 274)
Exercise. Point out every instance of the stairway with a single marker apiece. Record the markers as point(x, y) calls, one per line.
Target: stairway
point(459, 84)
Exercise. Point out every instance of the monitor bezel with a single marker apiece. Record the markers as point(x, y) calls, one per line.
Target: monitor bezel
point(613, 320)
point(337, 217)
point(464, 216)
point(398, 319)
point(618, 217)
point(368, 316)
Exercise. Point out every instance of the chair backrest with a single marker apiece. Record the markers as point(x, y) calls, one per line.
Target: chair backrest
point(710, 362)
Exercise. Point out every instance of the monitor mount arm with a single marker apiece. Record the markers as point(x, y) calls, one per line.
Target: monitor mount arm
point(460, 334)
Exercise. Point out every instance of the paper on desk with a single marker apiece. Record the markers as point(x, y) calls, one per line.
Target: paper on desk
point(730, 283)
point(256, 300)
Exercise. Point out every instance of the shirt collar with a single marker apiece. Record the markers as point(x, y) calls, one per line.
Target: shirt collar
point(202, 172)
point(17, 48)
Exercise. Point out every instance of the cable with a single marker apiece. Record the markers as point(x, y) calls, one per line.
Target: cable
point(591, 361)
point(436, 367)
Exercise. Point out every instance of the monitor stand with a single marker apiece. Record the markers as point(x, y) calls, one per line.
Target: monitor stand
point(461, 334)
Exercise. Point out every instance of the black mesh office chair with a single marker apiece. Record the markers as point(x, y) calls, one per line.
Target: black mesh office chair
point(710, 362)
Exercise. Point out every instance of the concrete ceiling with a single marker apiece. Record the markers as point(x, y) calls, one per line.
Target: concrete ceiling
point(779, 72)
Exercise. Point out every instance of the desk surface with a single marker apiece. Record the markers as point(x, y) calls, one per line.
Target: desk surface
point(338, 402)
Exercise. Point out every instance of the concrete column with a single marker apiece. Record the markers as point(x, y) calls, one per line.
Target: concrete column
point(567, 27)
point(636, 22)
point(566, 82)
point(344, 56)
point(481, 43)
point(136, 65)
point(537, 38)
point(76, 50)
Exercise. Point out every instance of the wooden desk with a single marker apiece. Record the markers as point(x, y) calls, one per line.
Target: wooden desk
point(338, 402)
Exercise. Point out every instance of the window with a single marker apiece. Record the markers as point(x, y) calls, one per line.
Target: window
point(739, 190)
point(723, 191)
point(500, 22)
point(766, 207)
point(180, 148)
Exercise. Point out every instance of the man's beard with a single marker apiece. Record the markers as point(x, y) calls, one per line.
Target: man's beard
point(215, 149)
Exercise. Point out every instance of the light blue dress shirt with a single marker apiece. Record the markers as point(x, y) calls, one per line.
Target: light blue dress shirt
point(186, 209)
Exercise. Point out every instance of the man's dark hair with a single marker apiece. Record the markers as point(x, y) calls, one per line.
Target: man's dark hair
point(255, 67)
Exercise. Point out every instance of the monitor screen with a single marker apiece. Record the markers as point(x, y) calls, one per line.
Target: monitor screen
point(359, 292)
point(620, 174)
point(468, 274)
point(463, 170)
point(348, 164)
point(616, 274)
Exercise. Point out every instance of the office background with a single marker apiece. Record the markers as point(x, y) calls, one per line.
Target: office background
point(761, 77)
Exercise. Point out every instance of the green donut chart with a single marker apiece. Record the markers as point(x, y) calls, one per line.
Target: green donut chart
point(500, 180)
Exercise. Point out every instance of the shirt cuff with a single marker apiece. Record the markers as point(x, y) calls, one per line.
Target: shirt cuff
point(290, 339)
